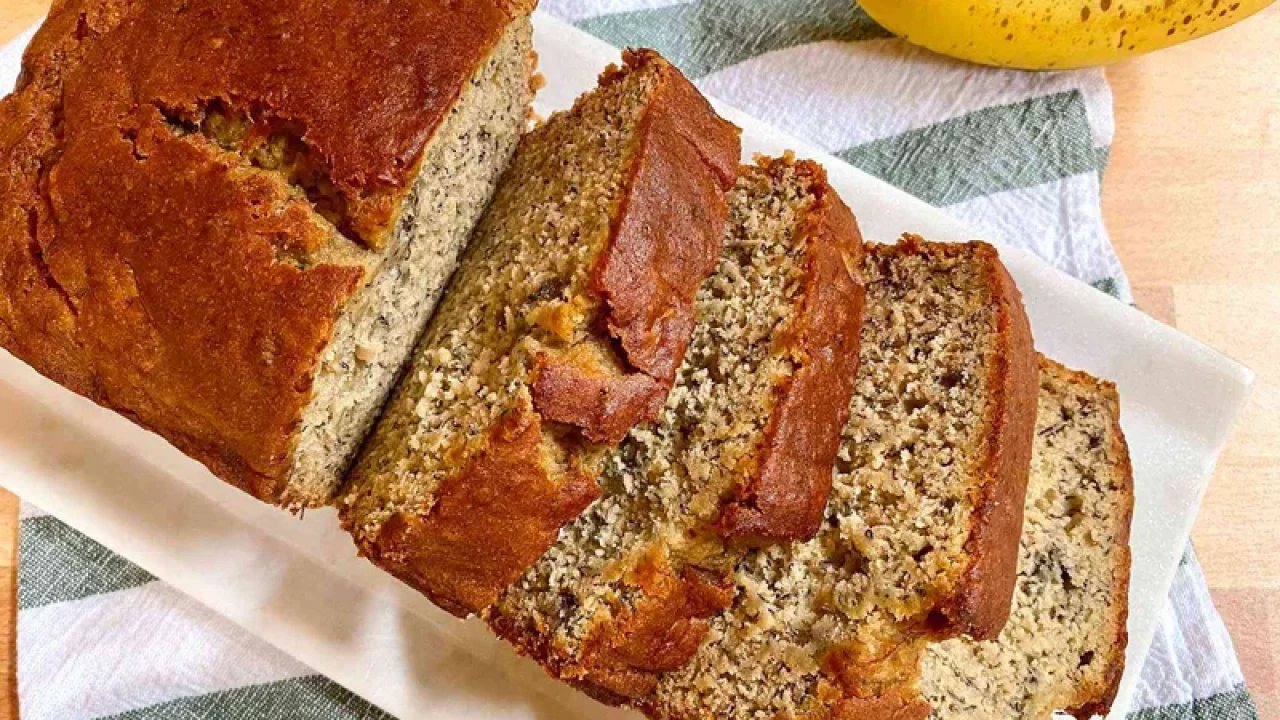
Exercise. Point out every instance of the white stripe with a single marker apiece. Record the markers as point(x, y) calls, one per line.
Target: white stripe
point(27, 510)
point(575, 10)
point(1061, 221)
point(1100, 106)
point(124, 650)
point(1191, 657)
point(838, 95)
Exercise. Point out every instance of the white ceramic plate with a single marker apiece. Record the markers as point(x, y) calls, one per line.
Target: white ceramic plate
point(299, 585)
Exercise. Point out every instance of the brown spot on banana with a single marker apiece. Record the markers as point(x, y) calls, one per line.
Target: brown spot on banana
point(1055, 34)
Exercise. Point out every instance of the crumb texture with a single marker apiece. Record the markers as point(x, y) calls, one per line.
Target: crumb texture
point(525, 354)
point(1063, 648)
point(666, 484)
point(522, 289)
point(376, 332)
point(893, 543)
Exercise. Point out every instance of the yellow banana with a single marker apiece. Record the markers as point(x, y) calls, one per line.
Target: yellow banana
point(1055, 34)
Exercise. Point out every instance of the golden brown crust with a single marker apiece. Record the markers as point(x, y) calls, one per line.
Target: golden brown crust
point(892, 705)
point(663, 243)
point(364, 107)
point(1097, 700)
point(870, 687)
point(601, 402)
point(489, 522)
point(861, 685)
point(881, 708)
point(622, 658)
point(787, 493)
point(980, 603)
point(668, 602)
point(159, 275)
point(786, 497)
point(667, 238)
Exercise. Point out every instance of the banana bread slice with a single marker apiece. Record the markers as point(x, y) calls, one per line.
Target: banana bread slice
point(1063, 648)
point(744, 448)
point(229, 220)
point(919, 539)
point(562, 329)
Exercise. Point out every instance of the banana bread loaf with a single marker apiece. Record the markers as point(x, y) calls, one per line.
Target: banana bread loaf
point(1063, 648)
point(920, 535)
point(744, 448)
point(229, 220)
point(563, 328)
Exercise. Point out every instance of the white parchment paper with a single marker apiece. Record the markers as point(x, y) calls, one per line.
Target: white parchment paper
point(299, 585)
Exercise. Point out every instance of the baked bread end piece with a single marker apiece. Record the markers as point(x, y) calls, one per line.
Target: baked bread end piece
point(231, 231)
point(1064, 646)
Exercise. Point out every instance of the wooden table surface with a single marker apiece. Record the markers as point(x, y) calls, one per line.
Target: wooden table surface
point(1192, 200)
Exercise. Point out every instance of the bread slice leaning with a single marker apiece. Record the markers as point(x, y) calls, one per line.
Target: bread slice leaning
point(562, 329)
point(233, 232)
point(1063, 648)
point(920, 535)
point(743, 450)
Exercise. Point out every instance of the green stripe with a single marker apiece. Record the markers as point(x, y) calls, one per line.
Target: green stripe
point(987, 151)
point(308, 698)
point(58, 563)
point(703, 37)
point(1104, 158)
point(1233, 705)
point(1107, 285)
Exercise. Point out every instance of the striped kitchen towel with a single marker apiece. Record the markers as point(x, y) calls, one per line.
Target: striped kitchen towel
point(1017, 155)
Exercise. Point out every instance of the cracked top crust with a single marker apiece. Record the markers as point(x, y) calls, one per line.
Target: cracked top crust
point(166, 262)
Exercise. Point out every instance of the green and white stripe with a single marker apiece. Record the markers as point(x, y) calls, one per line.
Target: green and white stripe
point(59, 564)
point(705, 37)
point(984, 143)
point(1234, 704)
point(1018, 156)
point(98, 637)
point(307, 698)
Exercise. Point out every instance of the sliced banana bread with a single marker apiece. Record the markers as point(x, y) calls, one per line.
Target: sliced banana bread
point(920, 534)
point(229, 220)
point(1063, 648)
point(744, 448)
point(562, 329)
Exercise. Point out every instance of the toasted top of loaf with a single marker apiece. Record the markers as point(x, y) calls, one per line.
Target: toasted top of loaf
point(162, 260)
point(936, 448)
point(749, 433)
point(1063, 648)
point(561, 330)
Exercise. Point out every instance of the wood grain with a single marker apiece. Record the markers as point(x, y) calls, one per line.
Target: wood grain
point(1192, 200)
point(18, 15)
